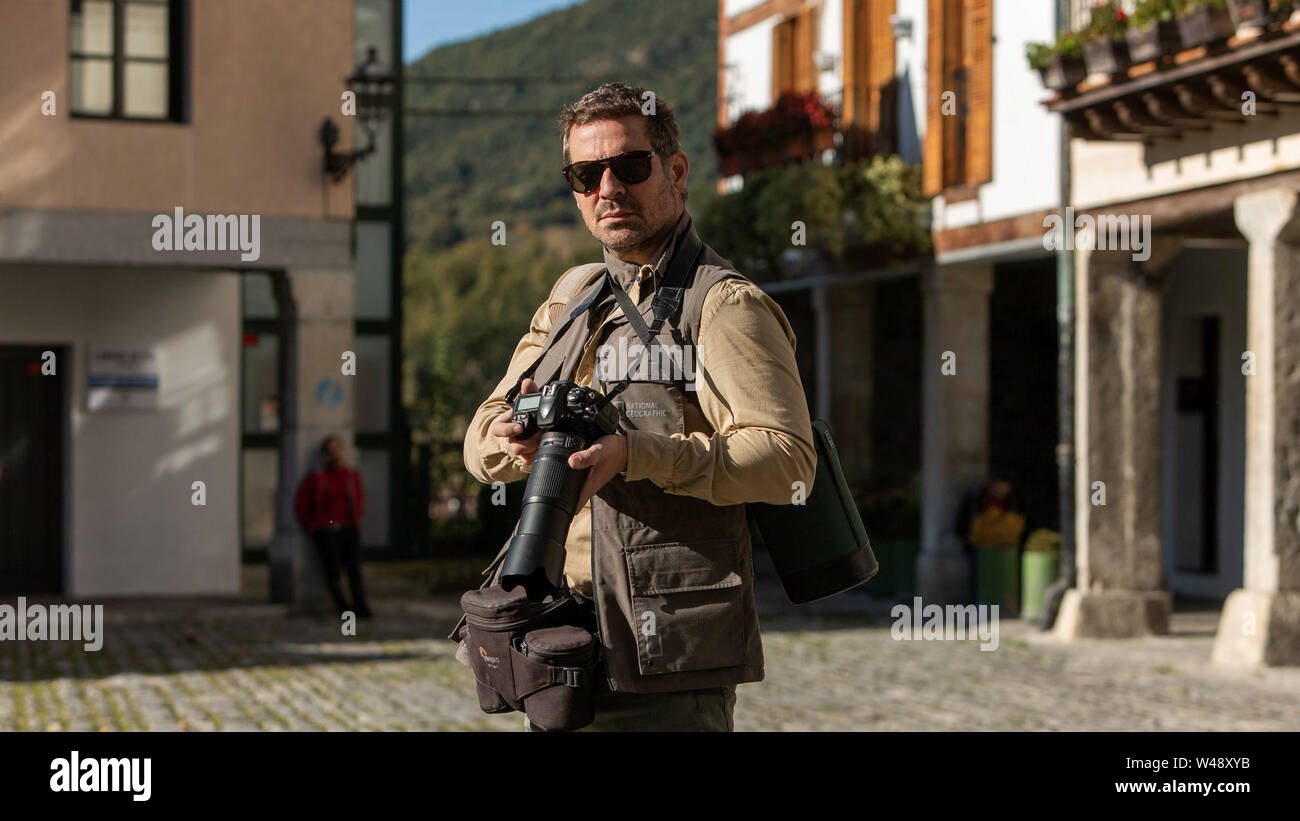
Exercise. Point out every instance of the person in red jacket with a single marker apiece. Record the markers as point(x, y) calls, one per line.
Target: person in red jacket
point(328, 505)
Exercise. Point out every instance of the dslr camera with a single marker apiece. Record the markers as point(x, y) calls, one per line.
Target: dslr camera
point(570, 417)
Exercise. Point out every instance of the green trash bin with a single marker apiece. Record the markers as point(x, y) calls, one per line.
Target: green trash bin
point(1038, 569)
point(997, 578)
point(882, 584)
point(904, 574)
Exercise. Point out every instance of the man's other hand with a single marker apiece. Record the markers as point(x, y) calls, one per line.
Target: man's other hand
point(521, 449)
point(606, 457)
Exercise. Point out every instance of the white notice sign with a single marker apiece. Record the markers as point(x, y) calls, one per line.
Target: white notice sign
point(122, 379)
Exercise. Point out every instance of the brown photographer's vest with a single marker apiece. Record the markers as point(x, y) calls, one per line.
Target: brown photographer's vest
point(672, 575)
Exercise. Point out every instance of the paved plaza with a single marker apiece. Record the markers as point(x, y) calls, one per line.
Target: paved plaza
point(244, 665)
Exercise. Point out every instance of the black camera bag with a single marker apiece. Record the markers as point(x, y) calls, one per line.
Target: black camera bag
point(535, 657)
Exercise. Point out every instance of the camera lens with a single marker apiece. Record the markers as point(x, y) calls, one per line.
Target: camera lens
point(535, 559)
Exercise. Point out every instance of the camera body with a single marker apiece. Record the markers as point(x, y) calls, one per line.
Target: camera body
point(566, 408)
point(569, 418)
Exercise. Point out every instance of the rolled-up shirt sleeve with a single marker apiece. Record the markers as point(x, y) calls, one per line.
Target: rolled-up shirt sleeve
point(749, 390)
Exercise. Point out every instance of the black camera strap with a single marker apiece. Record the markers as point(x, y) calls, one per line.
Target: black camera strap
point(666, 303)
point(582, 307)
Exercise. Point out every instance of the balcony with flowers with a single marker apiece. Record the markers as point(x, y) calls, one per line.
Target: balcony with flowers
point(797, 127)
point(1146, 70)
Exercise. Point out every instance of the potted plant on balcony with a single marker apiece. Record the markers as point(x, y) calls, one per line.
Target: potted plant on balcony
point(1202, 22)
point(1039, 566)
point(1061, 64)
point(1152, 32)
point(1284, 10)
point(795, 127)
point(1104, 48)
point(809, 121)
point(1253, 13)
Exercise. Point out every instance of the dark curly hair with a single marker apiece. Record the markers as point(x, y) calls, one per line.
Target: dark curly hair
point(613, 101)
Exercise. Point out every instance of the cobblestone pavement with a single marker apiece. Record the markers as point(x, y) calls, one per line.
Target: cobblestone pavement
point(241, 665)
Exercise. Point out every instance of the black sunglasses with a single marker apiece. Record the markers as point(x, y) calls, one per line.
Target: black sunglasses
point(631, 167)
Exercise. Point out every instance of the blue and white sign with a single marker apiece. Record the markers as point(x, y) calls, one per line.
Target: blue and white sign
point(122, 379)
point(329, 393)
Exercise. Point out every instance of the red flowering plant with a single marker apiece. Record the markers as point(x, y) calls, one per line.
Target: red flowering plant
point(1107, 20)
point(793, 115)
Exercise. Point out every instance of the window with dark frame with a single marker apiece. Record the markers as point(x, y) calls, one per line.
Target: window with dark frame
point(126, 59)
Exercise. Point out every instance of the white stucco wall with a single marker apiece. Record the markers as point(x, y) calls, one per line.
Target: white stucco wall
point(749, 69)
point(749, 58)
point(1117, 172)
point(130, 527)
point(734, 7)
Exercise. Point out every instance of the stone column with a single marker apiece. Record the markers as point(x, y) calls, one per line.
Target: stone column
point(1260, 623)
point(324, 405)
point(1121, 588)
point(955, 430)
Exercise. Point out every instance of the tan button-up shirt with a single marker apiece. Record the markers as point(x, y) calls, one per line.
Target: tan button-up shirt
point(748, 388)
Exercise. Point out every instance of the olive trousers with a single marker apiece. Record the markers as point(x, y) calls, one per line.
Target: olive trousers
point(688, 711)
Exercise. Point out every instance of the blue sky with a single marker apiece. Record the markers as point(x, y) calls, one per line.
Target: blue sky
point(433, 23)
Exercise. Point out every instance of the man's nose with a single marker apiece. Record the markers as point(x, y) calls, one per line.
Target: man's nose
point(610, 184)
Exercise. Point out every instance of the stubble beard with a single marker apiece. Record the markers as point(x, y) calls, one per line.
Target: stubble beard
point(631, 238)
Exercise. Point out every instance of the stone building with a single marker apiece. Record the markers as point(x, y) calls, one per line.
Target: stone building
point(166, 224)
point(1114, 270)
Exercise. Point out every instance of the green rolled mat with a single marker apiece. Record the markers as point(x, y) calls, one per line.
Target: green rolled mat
point(820, 548)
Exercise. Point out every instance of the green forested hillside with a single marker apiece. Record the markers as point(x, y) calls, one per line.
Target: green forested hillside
point(465, 172)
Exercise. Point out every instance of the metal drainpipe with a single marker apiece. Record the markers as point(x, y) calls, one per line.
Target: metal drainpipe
point(284, 543)
point(1065, 382)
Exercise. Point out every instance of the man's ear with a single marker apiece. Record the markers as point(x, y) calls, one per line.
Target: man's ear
point(680, 168)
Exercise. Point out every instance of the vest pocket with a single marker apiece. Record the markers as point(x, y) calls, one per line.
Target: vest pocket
point(687, 606)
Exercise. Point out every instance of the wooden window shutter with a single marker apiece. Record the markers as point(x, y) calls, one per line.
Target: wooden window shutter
point(869, 77)
point(851, 108)
point(805, 72)
point(782, 57)
point(880, 59)
point(932, 150)
point(954, 80)
point(977, 39)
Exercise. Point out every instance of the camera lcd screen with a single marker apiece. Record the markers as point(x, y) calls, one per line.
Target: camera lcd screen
point(527, 403)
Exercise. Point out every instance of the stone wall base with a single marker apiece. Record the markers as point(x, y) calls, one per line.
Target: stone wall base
point(1113, 614)
point(1259, 628)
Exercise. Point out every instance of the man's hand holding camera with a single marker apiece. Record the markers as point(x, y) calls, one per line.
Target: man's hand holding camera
point(606, 457)
point(502, 426)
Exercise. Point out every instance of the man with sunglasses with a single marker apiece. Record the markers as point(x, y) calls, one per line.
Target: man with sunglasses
point(659, 547)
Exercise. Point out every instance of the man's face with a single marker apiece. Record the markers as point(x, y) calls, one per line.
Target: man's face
point(334, 452)
point(629, 219)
